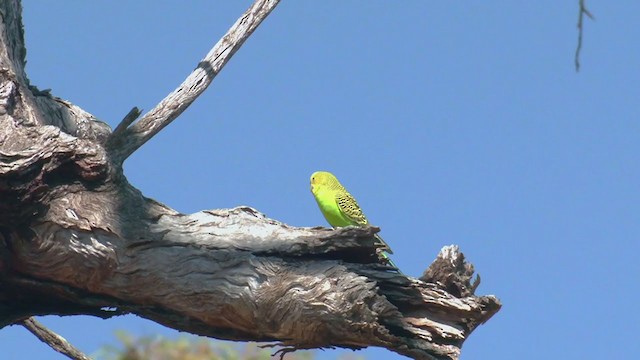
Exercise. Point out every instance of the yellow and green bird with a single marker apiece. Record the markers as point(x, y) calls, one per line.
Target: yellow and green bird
point(339, 207)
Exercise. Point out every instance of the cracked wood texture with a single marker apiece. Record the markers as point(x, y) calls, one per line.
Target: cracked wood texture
point(77, 238)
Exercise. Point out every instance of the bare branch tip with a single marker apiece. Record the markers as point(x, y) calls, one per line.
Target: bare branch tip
point(55, 341)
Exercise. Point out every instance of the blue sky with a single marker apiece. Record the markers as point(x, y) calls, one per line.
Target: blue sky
point(451, 123)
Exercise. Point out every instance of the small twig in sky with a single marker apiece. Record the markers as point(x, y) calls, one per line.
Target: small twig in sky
point(582, 12)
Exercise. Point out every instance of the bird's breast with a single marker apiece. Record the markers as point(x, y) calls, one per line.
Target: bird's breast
point(330, 209)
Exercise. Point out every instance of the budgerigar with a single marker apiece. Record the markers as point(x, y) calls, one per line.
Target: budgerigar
point(339, 207)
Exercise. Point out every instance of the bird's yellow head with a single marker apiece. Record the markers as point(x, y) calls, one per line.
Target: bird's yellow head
point(323, 179)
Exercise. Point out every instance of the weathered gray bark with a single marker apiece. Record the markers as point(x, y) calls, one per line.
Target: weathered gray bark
point(77, 238)
point(57, 342)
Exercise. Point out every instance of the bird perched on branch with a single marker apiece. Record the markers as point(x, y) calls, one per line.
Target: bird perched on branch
point(340, 208)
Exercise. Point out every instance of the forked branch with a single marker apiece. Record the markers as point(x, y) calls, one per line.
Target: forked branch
point(582, 11)
point(122, 144)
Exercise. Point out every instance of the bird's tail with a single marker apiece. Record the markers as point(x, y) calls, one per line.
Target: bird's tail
point(383, 256)
point(385, 246)
point(384, 251)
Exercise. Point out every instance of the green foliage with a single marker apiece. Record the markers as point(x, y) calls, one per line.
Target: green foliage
point(191, 348)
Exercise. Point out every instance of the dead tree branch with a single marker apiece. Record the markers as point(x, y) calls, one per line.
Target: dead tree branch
point(581, 13)
point(128, 119)
point(124, 144)
point(55, 341)
point(73, 228)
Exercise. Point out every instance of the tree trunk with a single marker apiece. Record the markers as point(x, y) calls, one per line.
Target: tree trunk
point(77, 238)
